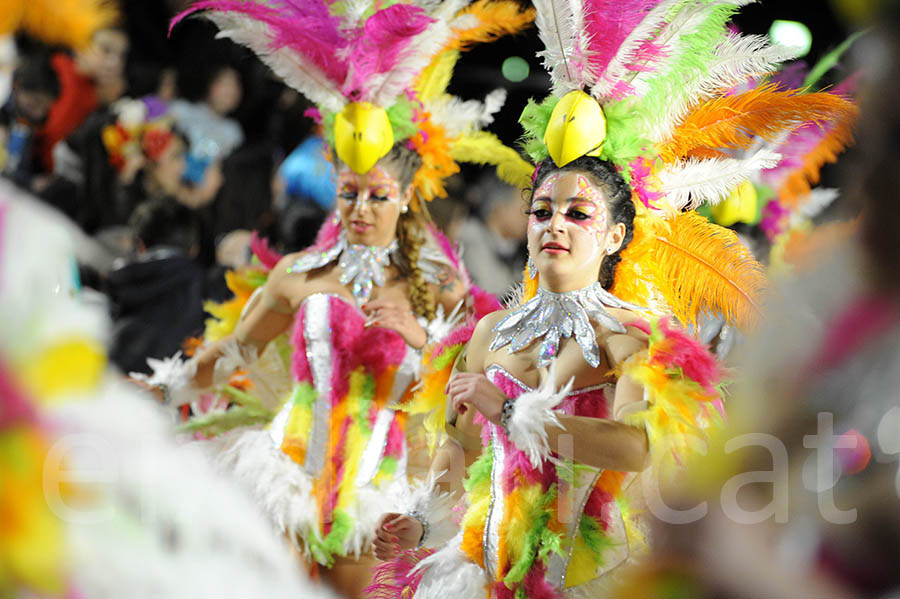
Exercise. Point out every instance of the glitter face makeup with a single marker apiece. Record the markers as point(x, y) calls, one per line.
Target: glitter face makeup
point(568, 227)
point(369, 205)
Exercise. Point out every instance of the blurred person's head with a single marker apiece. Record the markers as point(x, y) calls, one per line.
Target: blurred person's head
point(500, 206)
point(225, 90)
point(35, 87)
point(163, 222)
point(104, 58)
point(165, 161)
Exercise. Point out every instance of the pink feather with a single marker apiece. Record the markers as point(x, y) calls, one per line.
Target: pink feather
point(15, 408)
point(398, 577)
point(261, 249)
point(681, 351)
point(381, 45)
point(608, 23)
point(307, 28)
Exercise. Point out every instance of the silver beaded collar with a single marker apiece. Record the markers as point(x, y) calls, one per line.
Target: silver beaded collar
point(362, 266)
point(550, 316)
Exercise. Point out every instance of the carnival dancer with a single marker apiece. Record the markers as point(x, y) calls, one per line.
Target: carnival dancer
point(340, 325)
point(574, 390)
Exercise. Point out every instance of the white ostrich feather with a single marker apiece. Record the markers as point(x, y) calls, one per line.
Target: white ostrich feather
point(617, 69)
point(690, 183)
point(460, 116)
point(816, 201)
point(560, 25)
point(449, 573)
point(415, 57)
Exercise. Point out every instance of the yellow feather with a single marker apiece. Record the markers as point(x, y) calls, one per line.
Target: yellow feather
point(433, 81)
point(482, 147)
point(67, 22)
point(699, 266)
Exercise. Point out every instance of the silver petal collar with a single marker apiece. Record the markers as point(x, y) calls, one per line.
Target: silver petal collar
point(362, 266)
point(554, 316)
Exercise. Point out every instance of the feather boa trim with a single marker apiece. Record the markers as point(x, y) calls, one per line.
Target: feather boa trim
point(682, 389)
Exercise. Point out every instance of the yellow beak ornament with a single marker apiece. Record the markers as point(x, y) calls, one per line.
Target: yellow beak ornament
point(577, 128)
point(362, 135)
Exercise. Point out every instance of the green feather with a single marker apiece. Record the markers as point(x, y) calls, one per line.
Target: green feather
point(534, 120)
point(341, 527)
point(827, 62)
point(479, 472)
point(594, 537)
point(401, 117)
point(697, 50)
point(622, 143)
point(539, 516)
point(367, 395)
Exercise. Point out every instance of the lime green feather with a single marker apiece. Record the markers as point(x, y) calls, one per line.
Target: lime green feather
point(534, 121)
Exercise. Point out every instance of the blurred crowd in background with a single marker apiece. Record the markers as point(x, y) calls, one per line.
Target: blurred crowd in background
point(167, 151)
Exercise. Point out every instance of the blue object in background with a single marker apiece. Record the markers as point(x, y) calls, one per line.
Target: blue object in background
point(309, 175)
point(194, 168)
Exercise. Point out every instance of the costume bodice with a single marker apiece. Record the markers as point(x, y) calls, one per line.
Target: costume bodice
point(338, 421)
point(573, 501)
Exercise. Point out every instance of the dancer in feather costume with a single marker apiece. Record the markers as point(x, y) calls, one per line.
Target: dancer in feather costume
point(583, 386)
point(317, 438)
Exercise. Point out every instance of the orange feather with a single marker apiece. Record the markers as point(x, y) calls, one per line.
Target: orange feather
point(495, 19)
point(734, 121)
point(798, 184)
point(701, 267)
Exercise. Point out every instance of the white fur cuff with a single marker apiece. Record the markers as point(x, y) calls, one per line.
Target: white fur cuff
point(435, 511)
point(532, 414)
point(173, 375)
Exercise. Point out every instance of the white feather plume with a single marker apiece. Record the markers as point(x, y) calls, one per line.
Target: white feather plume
point(560, 25)
point(460, 116)
point(291, 67)
point(415, 57)
point(690, 183)
point(815, 202)
point(737, 59)
point(533, 412)
point(449, 573)
point(617, 69)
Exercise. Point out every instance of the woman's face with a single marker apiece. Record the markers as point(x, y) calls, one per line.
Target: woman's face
point(168, 170)
point(370, 204)
point(570, 230)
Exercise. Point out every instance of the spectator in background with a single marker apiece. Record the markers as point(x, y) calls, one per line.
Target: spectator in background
point(93, 77)
point(305, 187)
point(157, 298)
point(212, 135)
point(493, 245)
point(35, 87)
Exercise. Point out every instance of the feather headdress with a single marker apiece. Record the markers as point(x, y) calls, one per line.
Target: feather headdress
point(665, 75)
point(384, 69)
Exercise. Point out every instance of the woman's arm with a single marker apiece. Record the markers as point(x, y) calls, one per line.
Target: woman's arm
point(598, 442)
point(268, 315)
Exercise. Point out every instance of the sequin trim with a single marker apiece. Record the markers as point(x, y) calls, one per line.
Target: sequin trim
point(554, 316)
point(491, 538)
point(371, 457)
point(317, 333)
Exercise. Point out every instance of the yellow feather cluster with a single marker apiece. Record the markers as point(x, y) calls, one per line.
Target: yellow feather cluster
point(69, 23)
point(482, 147)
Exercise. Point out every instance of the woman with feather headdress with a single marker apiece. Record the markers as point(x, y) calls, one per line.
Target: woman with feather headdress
point(573, 391)
point(340, 325)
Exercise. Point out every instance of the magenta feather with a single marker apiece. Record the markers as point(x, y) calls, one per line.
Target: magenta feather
point(307, 28)
point(608, 23)
point(381, 45)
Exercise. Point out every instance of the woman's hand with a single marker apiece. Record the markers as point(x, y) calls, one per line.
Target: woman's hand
point(474, 389)
point(396, 533)
point(392, 316)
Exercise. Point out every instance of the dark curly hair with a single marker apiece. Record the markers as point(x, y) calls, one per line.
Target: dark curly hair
point(618, 200)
